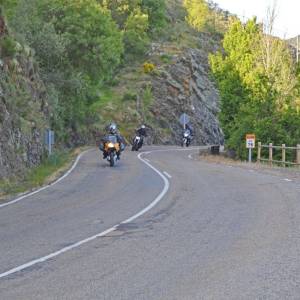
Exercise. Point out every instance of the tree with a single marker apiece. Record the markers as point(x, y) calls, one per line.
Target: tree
point(156, 10)
point(120, 9)
point(78, 47)
point(9, 6)
point(95, 43)
point(135, 34)
point(256, 80)
point(197, 13)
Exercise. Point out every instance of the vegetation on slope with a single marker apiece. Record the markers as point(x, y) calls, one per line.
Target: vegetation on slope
point(259, 86)
point(90, 56)
point(79, 47)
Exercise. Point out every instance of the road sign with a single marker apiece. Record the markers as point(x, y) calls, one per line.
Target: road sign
point(184, 119)
point(250, 141)
point(250, 144)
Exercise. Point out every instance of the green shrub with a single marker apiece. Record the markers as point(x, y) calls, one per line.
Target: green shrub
point(165, 58)
point(129, 96)
point(8, 47)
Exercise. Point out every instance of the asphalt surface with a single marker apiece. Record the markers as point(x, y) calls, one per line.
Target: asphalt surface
point(220, 232)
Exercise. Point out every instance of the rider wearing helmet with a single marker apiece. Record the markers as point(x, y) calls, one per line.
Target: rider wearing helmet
point(112, 130)
point(142, 133)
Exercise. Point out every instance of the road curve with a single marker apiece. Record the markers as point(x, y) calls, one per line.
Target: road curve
point(219, 233)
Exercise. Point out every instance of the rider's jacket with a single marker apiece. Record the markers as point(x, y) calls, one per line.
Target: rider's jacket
point(141, 131)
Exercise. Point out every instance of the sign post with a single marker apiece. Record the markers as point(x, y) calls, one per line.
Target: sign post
point(49, 140)
point(250, 144)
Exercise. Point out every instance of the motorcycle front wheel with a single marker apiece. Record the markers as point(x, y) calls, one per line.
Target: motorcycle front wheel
point(112, 159)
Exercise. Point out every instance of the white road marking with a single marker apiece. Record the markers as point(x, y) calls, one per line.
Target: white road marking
point(190, 156)
point(147, 160)
point(180, 149)
point(49, 185)
point(26, 195)
point(146, 153)
point(288, 180)
point(101, 234)
point(167, 174)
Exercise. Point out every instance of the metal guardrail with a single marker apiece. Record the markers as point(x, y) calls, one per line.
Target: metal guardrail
point(283, 149)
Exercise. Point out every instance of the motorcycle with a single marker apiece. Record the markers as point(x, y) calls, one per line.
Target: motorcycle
point(137, 143)
point(111, 148)
point(186, 139)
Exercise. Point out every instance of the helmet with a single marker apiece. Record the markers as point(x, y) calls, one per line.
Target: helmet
point(112, 128)
point(143, 126)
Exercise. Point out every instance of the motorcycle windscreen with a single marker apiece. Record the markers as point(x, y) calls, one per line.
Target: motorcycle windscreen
point(112, 138)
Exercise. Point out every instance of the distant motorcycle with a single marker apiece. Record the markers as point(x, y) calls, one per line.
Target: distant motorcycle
point(137, 143)
point(186, 138)
point(111, 148)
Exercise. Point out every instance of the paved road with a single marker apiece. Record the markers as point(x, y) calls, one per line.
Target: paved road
point(218, 233)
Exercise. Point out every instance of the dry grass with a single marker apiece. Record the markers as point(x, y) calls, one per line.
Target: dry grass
point(289, 172)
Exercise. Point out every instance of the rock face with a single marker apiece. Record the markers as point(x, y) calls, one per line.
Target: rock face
point(18, 149)
point(23, 112)
point(185, 86)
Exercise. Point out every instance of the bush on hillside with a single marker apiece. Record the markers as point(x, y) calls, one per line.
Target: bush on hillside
point(8, 47)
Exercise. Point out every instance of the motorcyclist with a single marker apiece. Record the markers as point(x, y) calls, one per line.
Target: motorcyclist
point(112, 130)
point(141, 131)
point(190, 128)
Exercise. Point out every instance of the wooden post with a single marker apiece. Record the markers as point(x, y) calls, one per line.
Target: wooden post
point(270, 153)
point(298, 154)
point(283, 154)
point(258, 151)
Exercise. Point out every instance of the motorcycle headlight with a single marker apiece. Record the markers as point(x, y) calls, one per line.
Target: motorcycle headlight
point(110, 145)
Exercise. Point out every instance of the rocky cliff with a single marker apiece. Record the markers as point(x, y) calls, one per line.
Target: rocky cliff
point(185, 86)
point(23, 107)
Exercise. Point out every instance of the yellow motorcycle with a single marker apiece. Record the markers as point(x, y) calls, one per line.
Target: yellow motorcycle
point(112, 147)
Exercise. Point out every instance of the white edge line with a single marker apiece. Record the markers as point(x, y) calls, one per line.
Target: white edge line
point(167, 174)
point(101, 234)
point(288, 180)
point(49, 185)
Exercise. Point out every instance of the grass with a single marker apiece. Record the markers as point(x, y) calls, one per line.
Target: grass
point(124, 102)
point(48, 171)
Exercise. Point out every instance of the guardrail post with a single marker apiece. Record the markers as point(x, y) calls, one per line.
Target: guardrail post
point(258, 151)
point(270, 153)
point(298, 154)
point(283, 154)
